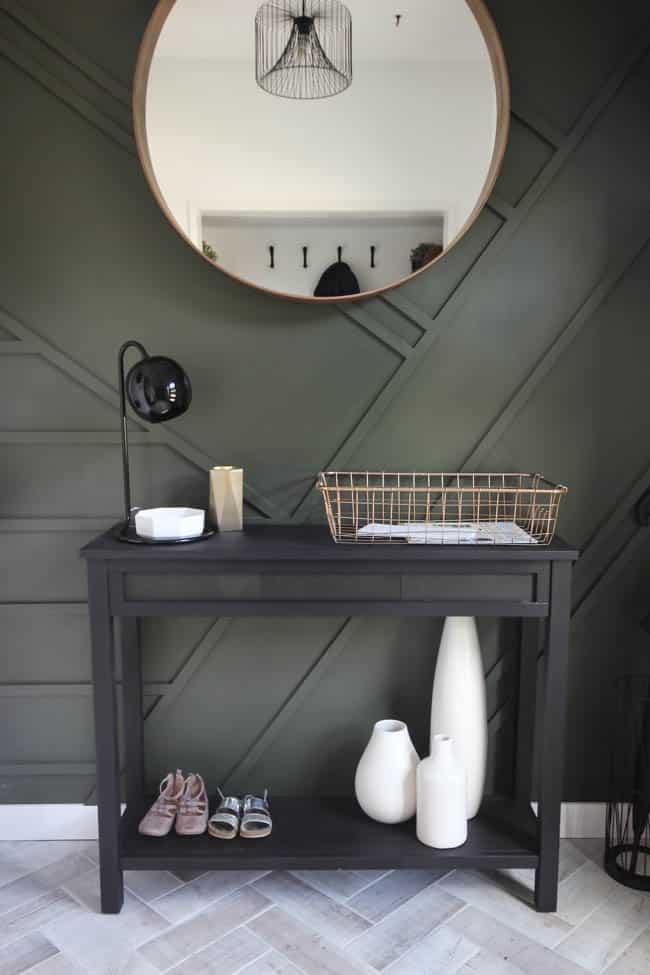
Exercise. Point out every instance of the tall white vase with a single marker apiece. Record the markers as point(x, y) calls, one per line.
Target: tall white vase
point(442, 797)
point(459, 708)
point(385, 780)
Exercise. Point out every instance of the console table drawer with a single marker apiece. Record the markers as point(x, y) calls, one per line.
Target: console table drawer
point(262, 587)
point(328, 588)
point(431, 586)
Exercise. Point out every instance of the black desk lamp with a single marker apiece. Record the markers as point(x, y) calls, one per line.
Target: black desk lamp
point(158, 389)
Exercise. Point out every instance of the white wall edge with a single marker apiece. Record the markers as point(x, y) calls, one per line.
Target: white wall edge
point(581, 819)
point(79, 822)
point(58, 821)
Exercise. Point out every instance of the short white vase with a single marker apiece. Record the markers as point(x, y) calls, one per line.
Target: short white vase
point(384, 783)
point(441, 797)
point(458, 707)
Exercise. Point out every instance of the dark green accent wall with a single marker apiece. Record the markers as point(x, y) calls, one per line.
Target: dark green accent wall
point(526, 348)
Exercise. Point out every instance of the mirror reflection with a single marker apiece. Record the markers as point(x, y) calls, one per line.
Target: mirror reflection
point(315, 148)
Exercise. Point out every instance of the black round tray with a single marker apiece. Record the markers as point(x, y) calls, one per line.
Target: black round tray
point(127, 533)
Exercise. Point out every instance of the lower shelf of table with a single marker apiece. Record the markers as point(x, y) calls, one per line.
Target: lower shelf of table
point(328, 834)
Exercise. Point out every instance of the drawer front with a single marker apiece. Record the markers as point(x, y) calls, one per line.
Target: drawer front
point(468, 586)
point(258, 587)
point(446, 592)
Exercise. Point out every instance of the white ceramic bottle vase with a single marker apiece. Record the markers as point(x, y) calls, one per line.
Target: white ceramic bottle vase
point(227, 498)
point(385, 780)
point(441, 797)
point(459, 707)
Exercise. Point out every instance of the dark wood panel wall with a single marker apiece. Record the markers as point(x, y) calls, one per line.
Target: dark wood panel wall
point(526, 348)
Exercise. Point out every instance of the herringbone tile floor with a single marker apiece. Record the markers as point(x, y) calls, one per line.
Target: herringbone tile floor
point(326, 923)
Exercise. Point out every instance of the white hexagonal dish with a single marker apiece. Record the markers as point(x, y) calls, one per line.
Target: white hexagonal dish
point(164, 524)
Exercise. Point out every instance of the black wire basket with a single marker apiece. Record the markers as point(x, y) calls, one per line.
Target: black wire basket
point(627, 843)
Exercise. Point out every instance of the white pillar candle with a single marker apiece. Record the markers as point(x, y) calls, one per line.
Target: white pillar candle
point(441, 797)
point(227, 498)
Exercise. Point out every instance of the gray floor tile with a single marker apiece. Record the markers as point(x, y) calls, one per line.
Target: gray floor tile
point(23, 954)
point(500, 941)
point(201, 893)
point(273, 963)
point(20, 858)
point(309, 951)
point(151, 884)
point(330, 918)
point(593, 848)
point(42, 881)
point(485, 892)
point(488, 933)
point(443, 952)
point(102, 944)
point(340, 884)
point(605, 934)
point(225, 956)
point(635, 960)
point(536, 960)
point(393, 890)
point(35, 914)
point(571, 858)
point(327, 922)
point(135, 964)
point(484, 963)
point(188, 875)
point(391, 938)
point(58, 964)
point(583, 892)
point(185, 939)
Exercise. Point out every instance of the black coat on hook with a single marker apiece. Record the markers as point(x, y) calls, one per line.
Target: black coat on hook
point(337, 281)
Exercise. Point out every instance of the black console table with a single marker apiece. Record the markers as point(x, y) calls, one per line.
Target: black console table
point(299, 571)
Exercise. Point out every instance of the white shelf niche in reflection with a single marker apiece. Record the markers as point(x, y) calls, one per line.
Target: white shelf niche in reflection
point(241, 241)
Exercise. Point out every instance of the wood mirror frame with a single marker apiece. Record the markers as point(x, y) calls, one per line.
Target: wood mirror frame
point(502, 87)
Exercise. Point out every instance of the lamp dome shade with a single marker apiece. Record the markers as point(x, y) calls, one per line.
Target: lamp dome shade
point(158, 389)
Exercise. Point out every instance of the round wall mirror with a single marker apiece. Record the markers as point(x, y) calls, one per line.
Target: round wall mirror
point(318, 149)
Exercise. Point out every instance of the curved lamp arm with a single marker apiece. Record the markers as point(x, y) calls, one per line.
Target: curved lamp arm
point(128, 514)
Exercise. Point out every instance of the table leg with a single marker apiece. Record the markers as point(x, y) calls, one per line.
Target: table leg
point(133, 710)
point(106, 739)
point(551, 746)
point(531, 635)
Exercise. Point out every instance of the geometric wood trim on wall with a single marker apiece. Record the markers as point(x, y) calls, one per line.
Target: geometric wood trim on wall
point(411, 327)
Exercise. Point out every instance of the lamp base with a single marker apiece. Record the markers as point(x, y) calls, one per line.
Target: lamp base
point(127, 533)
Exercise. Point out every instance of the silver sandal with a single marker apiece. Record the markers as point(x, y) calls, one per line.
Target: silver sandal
point(256, 822)
point(224, 822)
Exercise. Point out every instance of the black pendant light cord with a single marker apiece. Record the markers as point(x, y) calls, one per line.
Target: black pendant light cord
point(128, 514)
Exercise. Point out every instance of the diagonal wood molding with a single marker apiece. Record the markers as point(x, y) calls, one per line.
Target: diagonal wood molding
point(475, 277)
point(159, 435)
point(57, 44)
point(22, 56)
point(624, 261)
point(195, 659)
point(296, 698)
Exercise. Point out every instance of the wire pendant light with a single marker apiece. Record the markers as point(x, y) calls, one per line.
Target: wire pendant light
point(303, 48)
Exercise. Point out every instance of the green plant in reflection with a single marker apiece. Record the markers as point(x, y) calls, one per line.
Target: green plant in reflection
point(209, 251)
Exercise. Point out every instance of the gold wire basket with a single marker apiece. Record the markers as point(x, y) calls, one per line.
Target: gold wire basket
point(440, 509)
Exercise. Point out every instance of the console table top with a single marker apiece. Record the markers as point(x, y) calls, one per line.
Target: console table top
point(314, 544)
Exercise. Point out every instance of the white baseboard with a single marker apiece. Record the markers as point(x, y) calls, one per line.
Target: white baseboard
point(581, 819)
point(79, 822)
